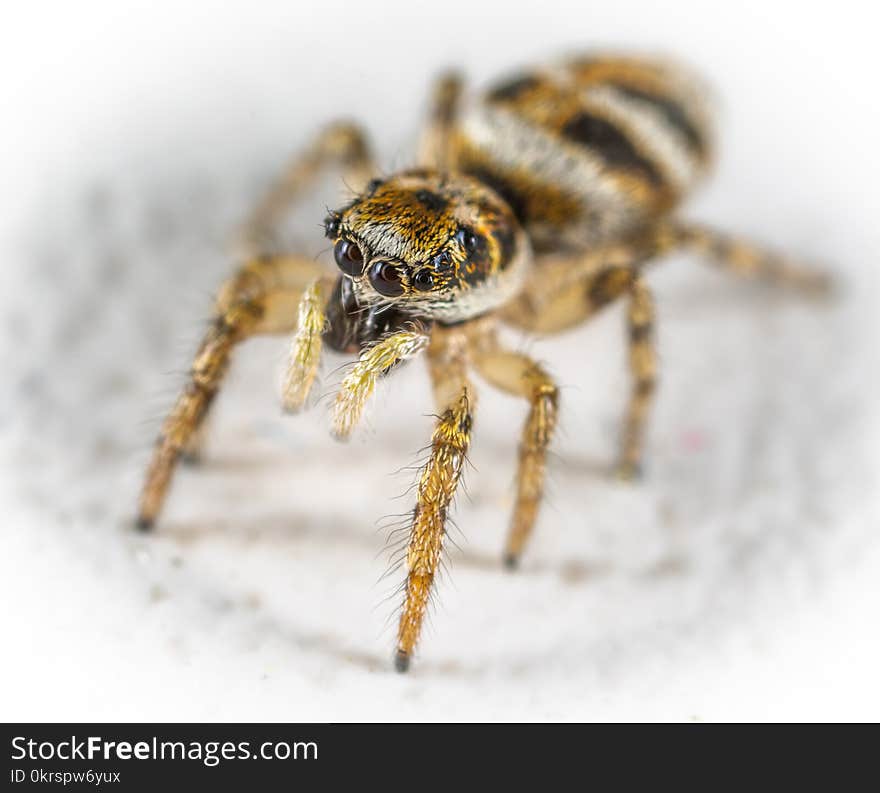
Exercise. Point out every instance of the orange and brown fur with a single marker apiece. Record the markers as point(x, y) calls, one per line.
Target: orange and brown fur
point(534, 205)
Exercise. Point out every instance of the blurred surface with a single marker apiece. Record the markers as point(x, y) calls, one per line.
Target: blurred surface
point(738, 581)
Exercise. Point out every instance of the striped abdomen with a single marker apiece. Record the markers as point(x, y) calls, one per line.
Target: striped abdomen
point(589, 149)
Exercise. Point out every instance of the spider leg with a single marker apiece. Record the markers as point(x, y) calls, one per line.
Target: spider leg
point(566, 291)
point(261, 298)
point(342, 144)
point(373, 362)
point(269, 294)
point(437, 147)
point(745, 258)
point(729, 253)
point(305, 351)
point(643, 366)
point(437, 483)
point(570, 291)
point(520, 376)
point(191, 453)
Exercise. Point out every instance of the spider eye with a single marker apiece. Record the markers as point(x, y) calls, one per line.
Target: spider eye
point(467, 239)
point(423, 280)
point(331, 226)
point(385, 279)
point(349, 257)
point(442, 261)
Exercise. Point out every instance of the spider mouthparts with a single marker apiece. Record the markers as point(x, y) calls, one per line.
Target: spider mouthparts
point(401, 661)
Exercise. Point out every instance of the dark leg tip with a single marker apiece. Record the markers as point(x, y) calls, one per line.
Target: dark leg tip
point(629, 472)
point(511, 561)
point(401, 661)
point(144, 523)
point(191, 458)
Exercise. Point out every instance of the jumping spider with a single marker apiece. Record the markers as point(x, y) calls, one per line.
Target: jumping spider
point(535, 205)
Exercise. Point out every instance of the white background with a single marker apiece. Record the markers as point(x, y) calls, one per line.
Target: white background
point(739, 581)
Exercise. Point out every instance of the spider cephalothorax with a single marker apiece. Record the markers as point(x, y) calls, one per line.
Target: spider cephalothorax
point(537, 205)
point(435, 246)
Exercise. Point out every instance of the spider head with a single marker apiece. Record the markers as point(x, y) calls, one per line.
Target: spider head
point(443, 247)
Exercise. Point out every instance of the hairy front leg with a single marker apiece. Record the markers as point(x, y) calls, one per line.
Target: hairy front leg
point(260, 299)
point(519, 375)
point(305, 350)
point(372, 363)
point(437, 483)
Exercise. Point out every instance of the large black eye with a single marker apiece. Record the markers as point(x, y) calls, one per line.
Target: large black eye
point(349, 257)
point(423, 280)
point(467, 239)
point(386, 279)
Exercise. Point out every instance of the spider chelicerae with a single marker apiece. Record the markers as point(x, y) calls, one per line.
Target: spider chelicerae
point(534, 205)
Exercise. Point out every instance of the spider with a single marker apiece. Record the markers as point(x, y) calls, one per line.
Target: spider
point(533, 205)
